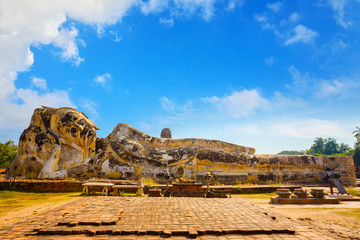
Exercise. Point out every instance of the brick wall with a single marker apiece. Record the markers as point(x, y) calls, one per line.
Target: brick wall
point(43, 185)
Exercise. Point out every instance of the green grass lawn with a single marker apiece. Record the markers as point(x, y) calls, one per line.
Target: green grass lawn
point(14, 200)
point(256, 195)
point(355, 191)
point(350, 212)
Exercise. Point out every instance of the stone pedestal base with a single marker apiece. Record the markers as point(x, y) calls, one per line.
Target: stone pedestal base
point(344, 197)
point(275, 200)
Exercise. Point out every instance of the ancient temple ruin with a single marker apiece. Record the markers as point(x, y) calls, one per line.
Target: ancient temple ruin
point(62, 142)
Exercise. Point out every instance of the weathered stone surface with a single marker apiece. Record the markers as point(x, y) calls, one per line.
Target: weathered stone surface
point(165, 133)
point(148, 156)
point(62, 142)
point(56, 141)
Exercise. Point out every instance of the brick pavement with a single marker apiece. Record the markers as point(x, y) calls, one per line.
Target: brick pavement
point(104, 217)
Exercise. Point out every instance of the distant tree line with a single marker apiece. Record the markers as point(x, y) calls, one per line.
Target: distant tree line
point(8, 152)
point(322, 146)
point(329, 147)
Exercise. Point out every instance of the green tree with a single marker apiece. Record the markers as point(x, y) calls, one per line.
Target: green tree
point(318, 146)
point(331, 147)
point(8, 152)
point(357, 134)
point(356, 156)
point(344, 147)
point(327, 146)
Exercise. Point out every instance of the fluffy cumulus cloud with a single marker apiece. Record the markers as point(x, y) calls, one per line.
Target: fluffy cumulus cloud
point(39, 82)
point(17, 109)
point(302, 34)
point(34, 22)
point(153, 6)
point(31, 23)
point(25, 24)
point(239, 103)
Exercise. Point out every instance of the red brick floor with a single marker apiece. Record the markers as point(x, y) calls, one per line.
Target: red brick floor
point(104, 217)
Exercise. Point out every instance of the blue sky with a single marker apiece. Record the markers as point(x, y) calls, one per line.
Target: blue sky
point(272, 75)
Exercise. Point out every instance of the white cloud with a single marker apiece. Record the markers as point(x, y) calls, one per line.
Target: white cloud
point(338, 46)
point(341, 88)
point(294, 17)
point(248, 128)
point(284, 28)
point(275, 7)
point(32, 23)
point(306, 128)
point(338, 8)
point(167, 22)
point(174, 113)
point(27, 24)
point(264, 19)
point(239, 104)
point(280, 102)
point(167, 104)
point(17, 105)
point(103, 79)
point(117, 38)
point(189, 7)
point(66, 42)
point(302, 34)
point(300, 81)
point(260, 18)
point(39, 82)
point(231, 6)
point(90, 107)
point(153, 6)
point(35, 22)
point(7, 83)
point(269, 61)
point(233, 3)
point(17, 109)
